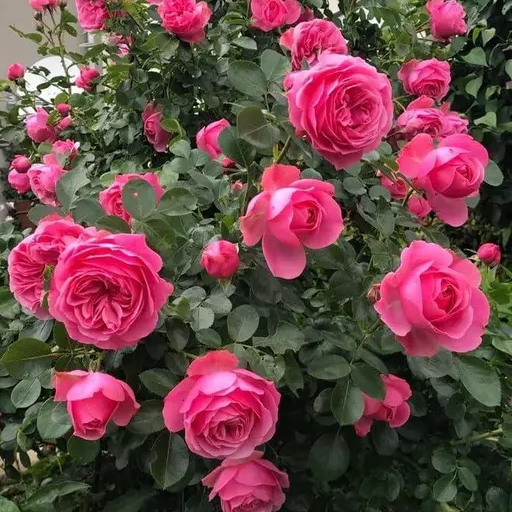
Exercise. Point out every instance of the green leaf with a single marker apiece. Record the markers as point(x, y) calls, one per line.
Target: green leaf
point(177, 333)
point(53, 420)
point(202, 318)
point(25, 393)
point(148, 419)
point(368, 381)
point(245, 42)
point(274, 65)
point(354, 186)
point(293, 374)
point(219, 304)
point(476, 57)
point(69, 185)
point(8, 506)
point(131, 501)
point(493, 175)
point(286, 337)
point(508, 68)
point(82, 451)
point(209, 338)
point(473, 86)
point(177, 201)
point(39, 211)
point(87, 211)
point(488, 34)
point(27, 358)
point(242, 323)
point(503, 345)
point(113, 224)
point(443, 461)
point(139, 199)
point(171, 460)
point(329, 367)
point(480, 379)
point(269, 367)
point(158, 381)
point(467, 479)
point(457, 44)
point(329, 457)
point(235, 148)
point(181, 148)
point(60, 336)
point(444, 489)
point(384, 438)
point(488, 119)
point(50, 492)
point(248, 78)
point(255, 129)
point(347, 402)
point(40, 329)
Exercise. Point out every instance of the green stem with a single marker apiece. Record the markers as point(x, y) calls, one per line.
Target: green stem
point(366, 335)
point(62, 51)
point(285, 149)
point(189, 355)
point(407, 197)
point(478, 437)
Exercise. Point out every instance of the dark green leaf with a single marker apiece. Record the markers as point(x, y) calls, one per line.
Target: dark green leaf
point(476, 57)
point(274, 65)
point(329, 457)
point(60, 336)
point(255, 129)
point(131, 501)
point(242, 323)
point(347, 402)
point(113, 224)
point(148, 419)
point(8, 506)
point(235, 148)
point(444, 461)
point(480, 379)
point(177, 201)
point(39, 211)
point(82, 451)
point(158, 381)
point(248, 78)
point(69, 185)
point(493, 174)
point(384, 438)
point(445, 489)
point(368, 381)
point(25, 393)
point(27, 357)
point(293, 374)
point(467, 479)
point(53, 420)
point(87, 211)
point(209, 338)
point(177, 333)
point(246, 43)
point(139, 199)
point(50, 492)
point(286, 337)
point(329, 367)
point(171, 459)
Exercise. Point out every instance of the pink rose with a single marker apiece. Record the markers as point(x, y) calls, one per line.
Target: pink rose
point(343, 105)
point(307, 15)
point(39, 128)
point(490, 254)
point(43, 182)
point(419, 206)
point(449, 173)
point(21, 164)
point(290, 214)
point(185, 19)
point(111, 199)
point(270, 14)
point(15, 71)
point(421, 116)
point(86, 78)
point(28, 261)
point(63, 153)
point(41, 5)
point(156, 135)
point(92, 14)
point(397, 188)
point(432, 300)
point(446, 19)
point(19, 181)
point(225, 411)
point(107, 291)
point(220, 259)
point(309, 39)
point(426, 78)
point(393, 410)
point(122, 42)
point(207, 140)
point(63, 109)
point(237, 185)
point(248, 485)
point(93, 400)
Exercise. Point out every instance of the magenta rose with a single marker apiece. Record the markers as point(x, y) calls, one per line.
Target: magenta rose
point(426, 78)
point(449, 173)
point(268, 15)
point(43, 182)
point(86, 78)
point(220, 259)
point(19, 181)
point(207, 140)
point(21, 164)
point(418, 206)
point(432, 301)
point(289, 215)
point(490, 254)
point(15, 71)
point(93, 400)
point(156, 135)
point(446, 19)
point(107, 292)
point(63, 109)
point(309, 39)
point(111, 199)
point(225, 411)
point(92, 14)
point(342, 105)
point(39, 128)
point(398, 188)
point(28, 261)
point(251, 484)
point(41, 5)
point(185, 19)
point(393, 410)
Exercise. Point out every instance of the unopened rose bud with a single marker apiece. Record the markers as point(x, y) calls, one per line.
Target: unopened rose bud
point(63, 4)
point(490, 254)
point(39, 27)
point(373, 294)
point(38, 16)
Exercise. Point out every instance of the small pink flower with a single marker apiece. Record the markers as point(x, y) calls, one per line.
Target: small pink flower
point(490, 254)
point(63, 153)
point(93, 400)
point(426, 78)
point(63, 109)
point(155, 134)
point(186, 19)
point(446, 19)
point(87, 77)
point(248, 485)
point(207, 139)
point(41, 5)
point(419, 206)
point(21, 164)
point(92, 14)
point(220, 259)
point(39, 128)
point(393, 410)
point(398, 188)
point(122, 42)
point(268, 15)
point(237, 186)
point(43, 182)
point(15, 71)
point(19, 181)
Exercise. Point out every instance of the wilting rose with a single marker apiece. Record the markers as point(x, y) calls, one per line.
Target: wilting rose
point(207, 139)
point(220, 259)
point(185, 19)
point(426, 78)
point(225, 411)
point(270, 14)
point(156, 135)
point(490, 254)
point(87, 77)
point(43, 182)
point(21, 164)
point(446, 19)
point(92, 14)
point(15, 71)
point(39, 128)
point(19, 181)
point(432, 301)
point(342, 105)
point(289, 215)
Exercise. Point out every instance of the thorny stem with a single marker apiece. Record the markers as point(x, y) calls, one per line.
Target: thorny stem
point(478, 437)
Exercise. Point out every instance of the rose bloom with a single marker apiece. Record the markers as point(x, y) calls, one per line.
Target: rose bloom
point(122, 42)
point(93, 400)
point(185, 19)
point(426, 78)
point(398, 188)
point(28, 260)
point(220, 259)
point(41, 5)
point(156, 135)
point(86, 79)
point(432, 301)
point(107, 291)
point(207, 140)
point(290, 214)
point(421, 116)
point(446, 19)
point(309, 39)
point(490, 254)
point(39, 128)
point(418, 206)
point(43, 182)
point(15, 71)
point(252, 484)
point(342, 105)
point(19, 181)
point(448, 174)
point(225, 411)
point(92, 14)
point(21, 164)
point(111, 199)
point(270, 14)
point(393, 410)
point(237, 186)
point(63, 109)
point(63, 152)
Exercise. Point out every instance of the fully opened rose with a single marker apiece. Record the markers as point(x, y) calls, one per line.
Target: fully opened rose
point(225, 411)
point(268, 15)
point(186, 19)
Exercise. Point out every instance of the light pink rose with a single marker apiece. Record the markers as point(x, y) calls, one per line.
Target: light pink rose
point(419, 206)
point(39, 128)
point(343, 106)
point(28, 261)
point(21, 164)
point(426, 78)
point(107, 291)
point(122, 42)
point(41, 5)
point(397, 188)
point(490, 254)
point(93, 400)
point(237, 186)
point(207, 140)
point(446, 19)
point(64, 123)
point(63, 109)
point(19, 181)
point(156, 135)
point(225, 411)
point(86, 78)
point(270, 14)
point(92, 14)
point(448, 174)
point(43, 182)
point(15, 71)
point(111, 199)
point(252, 484)
point(432, 301)
point(220, 259)
point(394, 409)
point(309, 39)
point(63, 153)
point(290, 214)
point(185, 19)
